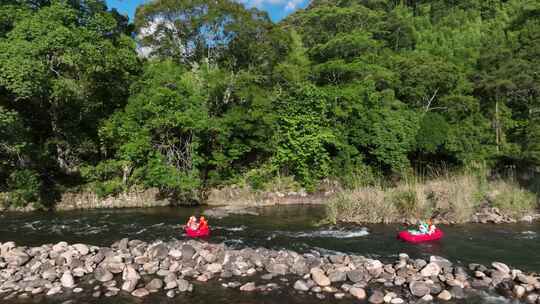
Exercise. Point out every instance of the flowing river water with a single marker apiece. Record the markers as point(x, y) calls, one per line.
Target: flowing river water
point(289, 227)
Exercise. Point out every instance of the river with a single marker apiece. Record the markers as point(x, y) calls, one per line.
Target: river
point(290, 227)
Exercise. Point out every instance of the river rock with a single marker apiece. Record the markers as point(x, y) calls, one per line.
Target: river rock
point(319, 277)
point(377, 297)
point(356, 275)
point(248, 287)
point(525, 279)
point(129, 285)
point(519, 291)
point(82, 249)
point(337, 276)
point(301, 285)
point(103, 275)
point(430, 270)
point(280, 269)
point(140, 293)
point(419, 288)
point(374, 267)
point(175, 253)
point(532, 298)
point(445, 295)
point(115, 267)
point(60, 247)
point(183, 285)
point(457, 292)
point(427, 298)
point(388, 297)
point(54, 290)
point(442, 262)
point(158, 252)
point(358, 293)
point(67, 280)
point(419, 263)
point(397, 301)
point(214, 267)
point(130, 274)
point(187, 252)
point(154, 285)
point(16, 257)
point(501, 267)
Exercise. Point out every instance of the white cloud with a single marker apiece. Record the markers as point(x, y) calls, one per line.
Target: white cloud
point(293, 5)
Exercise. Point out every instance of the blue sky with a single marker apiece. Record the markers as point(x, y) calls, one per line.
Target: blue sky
point(278, 9)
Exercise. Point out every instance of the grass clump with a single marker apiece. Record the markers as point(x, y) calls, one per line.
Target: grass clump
point(511, 199)
point(448, 197)
point(367, 205)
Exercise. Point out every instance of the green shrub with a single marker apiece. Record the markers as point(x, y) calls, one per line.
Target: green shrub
point(108, 188)
point(24, 188)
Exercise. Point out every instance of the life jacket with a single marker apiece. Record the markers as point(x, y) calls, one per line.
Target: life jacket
point(203, 224)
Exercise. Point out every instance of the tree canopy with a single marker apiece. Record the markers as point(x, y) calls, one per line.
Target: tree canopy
point(200, 94)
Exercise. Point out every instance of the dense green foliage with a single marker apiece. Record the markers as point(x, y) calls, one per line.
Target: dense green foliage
point(342, 90)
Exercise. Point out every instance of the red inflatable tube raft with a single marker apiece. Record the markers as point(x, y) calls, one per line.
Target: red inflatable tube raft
point(420, 238)
point(199, 233)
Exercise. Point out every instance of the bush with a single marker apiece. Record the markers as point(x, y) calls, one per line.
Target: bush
point(24, 188)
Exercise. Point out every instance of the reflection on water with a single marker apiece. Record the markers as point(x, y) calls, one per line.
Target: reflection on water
point(290, 227)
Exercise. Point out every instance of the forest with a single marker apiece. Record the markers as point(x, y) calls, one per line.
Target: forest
point(196, 95)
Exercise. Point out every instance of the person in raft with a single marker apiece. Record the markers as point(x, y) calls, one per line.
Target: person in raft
point(192, 223)
point(203, 224)
point(425, 227)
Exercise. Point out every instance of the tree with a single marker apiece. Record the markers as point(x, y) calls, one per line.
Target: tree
point(63, 71)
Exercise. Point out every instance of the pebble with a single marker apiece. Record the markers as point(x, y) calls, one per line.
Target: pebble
point(445, 295)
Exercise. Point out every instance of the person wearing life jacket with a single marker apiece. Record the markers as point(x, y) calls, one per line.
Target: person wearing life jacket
point(192, 223)
point(203, 224)
point(431, 227)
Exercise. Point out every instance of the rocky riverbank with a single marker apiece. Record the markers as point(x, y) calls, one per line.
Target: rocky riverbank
point(139, 268)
